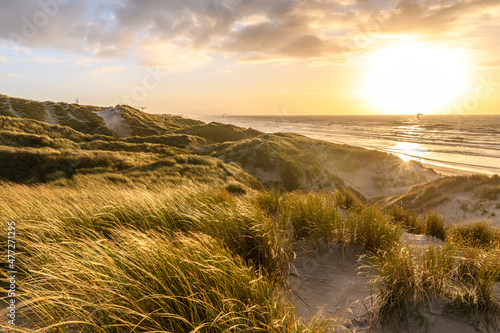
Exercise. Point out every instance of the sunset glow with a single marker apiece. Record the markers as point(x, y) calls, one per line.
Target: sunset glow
point(248, 57)
point(413, 78)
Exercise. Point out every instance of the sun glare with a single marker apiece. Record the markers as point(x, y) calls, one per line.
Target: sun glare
point(413, 78)
point(407, 151)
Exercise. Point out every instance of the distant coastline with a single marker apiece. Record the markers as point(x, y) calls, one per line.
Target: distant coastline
point(461, 144)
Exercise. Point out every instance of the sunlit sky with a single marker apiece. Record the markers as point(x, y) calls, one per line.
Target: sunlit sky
point(276, 57)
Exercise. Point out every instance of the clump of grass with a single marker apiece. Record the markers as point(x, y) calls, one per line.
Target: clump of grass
point(475, 234)
point(431, 224)
point(269, 200)
point(408, 219)
point(134, 281)
point(348, 200)
point(477, 272)
point(369, 229)
point(409, 279)
point(434, 225)
point(321, 217)
point(306, 216)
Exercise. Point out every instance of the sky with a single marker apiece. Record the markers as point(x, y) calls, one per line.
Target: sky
point(266, 57)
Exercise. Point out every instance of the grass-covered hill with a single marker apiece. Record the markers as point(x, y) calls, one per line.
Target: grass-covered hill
point(297, 162)
point(179, 226)
point(26, 132)
point(120, 121)
point(287, 160)
point(35, 152)
point(218, 133)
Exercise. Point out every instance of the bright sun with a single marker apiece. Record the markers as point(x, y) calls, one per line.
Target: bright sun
point(413, 78)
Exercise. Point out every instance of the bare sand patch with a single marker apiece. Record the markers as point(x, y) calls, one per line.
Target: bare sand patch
point(112, 117)
point(326, 282)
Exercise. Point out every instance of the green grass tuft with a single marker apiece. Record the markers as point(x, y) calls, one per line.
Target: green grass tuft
point(435, 225)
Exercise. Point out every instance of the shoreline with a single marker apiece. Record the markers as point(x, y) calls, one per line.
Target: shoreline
point(446, 168)
point(450, 171)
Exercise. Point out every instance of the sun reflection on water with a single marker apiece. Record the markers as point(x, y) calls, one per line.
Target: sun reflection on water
point(408, 151)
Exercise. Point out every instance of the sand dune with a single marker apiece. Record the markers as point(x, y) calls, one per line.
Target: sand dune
point(459, 199)
point(296, 162)
point(113, 119)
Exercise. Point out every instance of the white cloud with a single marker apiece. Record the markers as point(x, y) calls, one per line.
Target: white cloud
point(256, 30)
point(172, 57)
point(3, 59)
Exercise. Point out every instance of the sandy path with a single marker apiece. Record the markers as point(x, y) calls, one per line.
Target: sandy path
point(50, 116)
point(327, 283)
point(11, 109)
point(112, 117)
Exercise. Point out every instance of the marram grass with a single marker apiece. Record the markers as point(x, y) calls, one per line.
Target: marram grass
point(409, 279)
point(134, 258)
point(144, 282)
point(121, 259)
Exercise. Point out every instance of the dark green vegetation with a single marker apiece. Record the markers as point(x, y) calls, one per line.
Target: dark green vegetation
point(171, 230)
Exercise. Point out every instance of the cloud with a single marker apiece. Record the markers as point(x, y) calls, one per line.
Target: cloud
point(432, 17)
point(172, 57)
point(130, 27)
point(3, 59)
point(105, 70)
point(9, 76)
point(180, 33)
point(44, 23)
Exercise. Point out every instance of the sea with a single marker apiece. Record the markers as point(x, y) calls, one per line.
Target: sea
point(466, 142)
